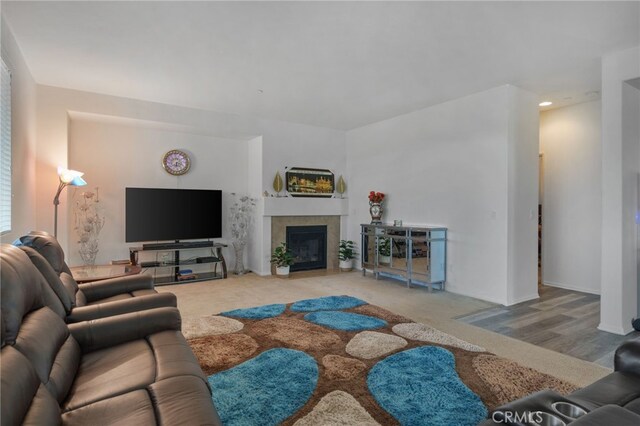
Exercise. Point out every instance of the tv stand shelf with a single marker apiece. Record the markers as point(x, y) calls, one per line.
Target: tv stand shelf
point(181, 263)
point(176, 263)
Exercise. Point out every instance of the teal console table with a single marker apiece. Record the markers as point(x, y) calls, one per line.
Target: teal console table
point(416, 255)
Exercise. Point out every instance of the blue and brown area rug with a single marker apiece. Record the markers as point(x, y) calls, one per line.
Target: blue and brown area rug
point(339, 360)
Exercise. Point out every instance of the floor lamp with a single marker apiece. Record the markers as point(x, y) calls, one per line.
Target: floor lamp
point(67, 178)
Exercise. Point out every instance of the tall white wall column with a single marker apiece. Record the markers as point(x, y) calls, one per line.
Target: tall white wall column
point(620, 168)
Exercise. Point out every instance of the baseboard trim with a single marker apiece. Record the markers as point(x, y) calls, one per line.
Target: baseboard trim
point(615, 329)
point(570, 287)
point(456, 290)
point(524, 299)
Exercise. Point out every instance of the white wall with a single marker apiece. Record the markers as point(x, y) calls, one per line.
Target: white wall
point(636, 85)
point(260, 245)
point(630, 173)
point(570, 139)
point(23, 139)
point(523, 186)
point(449, 165)
point(116, 155)
point(620, 168)
point(283, 144)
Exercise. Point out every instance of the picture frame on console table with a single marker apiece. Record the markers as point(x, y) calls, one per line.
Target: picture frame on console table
point(305, 182)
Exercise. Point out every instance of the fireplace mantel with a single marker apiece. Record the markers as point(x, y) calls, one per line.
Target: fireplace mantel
point(302, 206)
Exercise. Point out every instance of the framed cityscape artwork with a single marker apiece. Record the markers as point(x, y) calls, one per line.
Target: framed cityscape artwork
point(302, 182)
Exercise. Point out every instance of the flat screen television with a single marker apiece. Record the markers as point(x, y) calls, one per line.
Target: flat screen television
point(154, 214)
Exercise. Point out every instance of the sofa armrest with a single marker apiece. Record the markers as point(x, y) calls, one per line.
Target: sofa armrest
point(105, 332)
point(608, 415)
point(106, 288)
point(627, 358)
point(118, 307)
point(518, 412)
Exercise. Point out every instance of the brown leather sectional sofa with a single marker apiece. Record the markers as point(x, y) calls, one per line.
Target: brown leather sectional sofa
point(131, 368)
point(88, 301)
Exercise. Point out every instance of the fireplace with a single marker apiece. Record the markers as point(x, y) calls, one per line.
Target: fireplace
point(331, 224)
point(308, 245)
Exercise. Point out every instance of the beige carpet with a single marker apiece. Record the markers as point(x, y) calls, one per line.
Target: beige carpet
point(437, 309)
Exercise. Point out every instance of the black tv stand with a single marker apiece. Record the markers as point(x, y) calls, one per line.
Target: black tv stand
point(176, 247)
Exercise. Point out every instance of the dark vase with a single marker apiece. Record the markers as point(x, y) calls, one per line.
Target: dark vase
point(375, 210)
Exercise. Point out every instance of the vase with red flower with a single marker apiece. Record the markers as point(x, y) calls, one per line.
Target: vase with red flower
point(375, 207)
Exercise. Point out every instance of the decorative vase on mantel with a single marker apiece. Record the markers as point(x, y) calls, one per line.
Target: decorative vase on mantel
point(375, 210)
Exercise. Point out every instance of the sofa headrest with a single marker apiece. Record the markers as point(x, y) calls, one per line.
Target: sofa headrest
point(66, 295)
point(45, 244)
point(22, 290)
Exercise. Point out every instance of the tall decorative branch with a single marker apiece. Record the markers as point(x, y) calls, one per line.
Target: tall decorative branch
point(89, 221)
point(240, 218)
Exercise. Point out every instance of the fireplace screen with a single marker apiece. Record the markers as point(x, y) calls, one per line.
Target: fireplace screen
point(308, 245)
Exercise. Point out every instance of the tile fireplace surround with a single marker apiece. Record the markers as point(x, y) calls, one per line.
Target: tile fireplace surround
point(273, 214)
point(279, 233)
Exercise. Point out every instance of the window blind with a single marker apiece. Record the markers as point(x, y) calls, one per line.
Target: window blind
point(5, 149)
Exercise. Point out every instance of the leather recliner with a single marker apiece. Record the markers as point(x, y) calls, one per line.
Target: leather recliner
point(614, 399)
point(134, 368)
point(88, 301)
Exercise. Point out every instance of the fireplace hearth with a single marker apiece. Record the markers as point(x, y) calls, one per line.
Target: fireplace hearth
point(308, 245)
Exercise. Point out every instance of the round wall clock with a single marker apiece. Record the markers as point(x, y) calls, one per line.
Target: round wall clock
point(176, 162)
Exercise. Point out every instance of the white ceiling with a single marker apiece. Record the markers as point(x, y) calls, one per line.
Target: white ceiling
point(332, 64)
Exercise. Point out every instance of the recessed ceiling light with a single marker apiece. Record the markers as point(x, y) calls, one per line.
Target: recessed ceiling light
point(545, 103)
point(260, 91)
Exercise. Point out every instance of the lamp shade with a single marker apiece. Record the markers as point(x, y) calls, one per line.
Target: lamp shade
point(67, 176)
point(78, 181)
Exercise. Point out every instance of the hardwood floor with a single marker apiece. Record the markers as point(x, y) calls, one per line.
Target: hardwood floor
point(564, 321)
